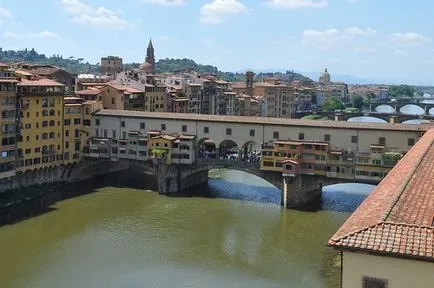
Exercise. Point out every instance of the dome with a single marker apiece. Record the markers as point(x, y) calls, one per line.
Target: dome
point(147, 67)
point(325, 77)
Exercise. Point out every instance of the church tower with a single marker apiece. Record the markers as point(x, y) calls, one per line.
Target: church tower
point(150, 56)
point(249, 83)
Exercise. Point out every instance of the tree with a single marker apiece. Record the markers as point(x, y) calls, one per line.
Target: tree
point(332, 104)
point(357, 101)
point(401, 91)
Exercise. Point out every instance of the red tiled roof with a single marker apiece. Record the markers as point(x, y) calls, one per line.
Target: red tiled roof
point(397, 217)
point(89, 92)
point(40, 82)
point(3, 65)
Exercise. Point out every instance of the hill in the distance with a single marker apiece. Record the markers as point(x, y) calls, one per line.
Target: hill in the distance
point(78, 66)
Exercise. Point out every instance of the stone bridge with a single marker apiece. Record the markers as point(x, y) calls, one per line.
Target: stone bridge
point(388, 117)
point(295, 191)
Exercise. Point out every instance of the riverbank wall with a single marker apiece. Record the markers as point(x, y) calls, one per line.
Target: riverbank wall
point(26, 202)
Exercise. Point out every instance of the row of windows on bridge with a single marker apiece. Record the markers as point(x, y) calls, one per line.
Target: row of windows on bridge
point(252, 133)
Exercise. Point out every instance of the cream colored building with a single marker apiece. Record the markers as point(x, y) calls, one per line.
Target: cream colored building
point(243, 130)
point(388, 242)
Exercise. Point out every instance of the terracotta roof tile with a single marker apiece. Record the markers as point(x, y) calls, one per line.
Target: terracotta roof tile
point(397, 217)
point(39, 82)
point(89, 92)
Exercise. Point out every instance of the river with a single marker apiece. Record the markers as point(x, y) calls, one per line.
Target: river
point(232, 233)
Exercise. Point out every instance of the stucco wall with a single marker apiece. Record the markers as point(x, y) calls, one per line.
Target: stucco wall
point(400, 273)
point(339, 138)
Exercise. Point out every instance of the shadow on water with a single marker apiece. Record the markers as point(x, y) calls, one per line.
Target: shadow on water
point(238, 185)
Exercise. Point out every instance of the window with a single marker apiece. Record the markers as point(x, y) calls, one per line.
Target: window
point(327, 138)
point(228, 131)
point(66, 145)
point(206, 130)
point(114, 134)
point(97, 122)
point(276, 134)
point(142, 125)
point(300, 136)
point(105, 133)
point(371, 282)
point(382, 141)
point(52, 112)
point(44, 136)
point(184, 128)
point(68, 122)
point(252, 132)
point(353, 139)
point(52, 135)
point(77, 121)
point(66, 133)
point(163, 127)
point(86, 122)
point(52, 123)
point(123, 124)
point(28, 126)
point(28, 151)
point(410, 141)
point(113, 100)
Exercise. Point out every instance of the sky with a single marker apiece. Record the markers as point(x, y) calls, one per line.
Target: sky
point(374, 39)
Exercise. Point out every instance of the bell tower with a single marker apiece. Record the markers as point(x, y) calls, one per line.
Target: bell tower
point(249, 83)
point(150, 56)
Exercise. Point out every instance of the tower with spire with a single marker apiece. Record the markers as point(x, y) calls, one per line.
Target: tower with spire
point(149, 65)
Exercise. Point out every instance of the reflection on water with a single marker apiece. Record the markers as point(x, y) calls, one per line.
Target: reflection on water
point(385, 109)
point(232, 234)
point(411, 109)
point(366, 119)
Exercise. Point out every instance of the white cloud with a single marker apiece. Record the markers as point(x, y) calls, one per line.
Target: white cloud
point(409, 39)
point(12, 35)
point(98, 16)
point(399, 52)
point(4, 13)
point(216, 11)
point(294, 4)
point(332, 37)
point(46, 34)
point(166, 2)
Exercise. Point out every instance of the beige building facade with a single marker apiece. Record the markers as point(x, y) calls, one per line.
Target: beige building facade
point(351, 137)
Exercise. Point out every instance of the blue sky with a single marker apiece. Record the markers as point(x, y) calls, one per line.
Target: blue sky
point(376, 39)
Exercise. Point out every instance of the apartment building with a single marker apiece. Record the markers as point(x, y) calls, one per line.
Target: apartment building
point(319, 158)
point(277, 99)
point(8, 89)
point(155, 98)
point(193, 93)
point(40, 114)
point(73, 129)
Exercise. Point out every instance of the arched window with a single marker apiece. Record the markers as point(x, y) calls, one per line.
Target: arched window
point(52, 135)
point(52, 123)
point(44, 149)
point(44, 135)
point(51, 102)
point(44, 112)
point(52, 112)
point(44, 102)
point(44, 123)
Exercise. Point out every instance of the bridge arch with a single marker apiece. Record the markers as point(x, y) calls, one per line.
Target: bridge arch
point(248, 150)
point(412, 109)
point(207, 148)
point(229, 149)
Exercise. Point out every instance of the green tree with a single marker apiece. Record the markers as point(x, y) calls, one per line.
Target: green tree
point(401, 91)
point(332, 104)
point(357, 101)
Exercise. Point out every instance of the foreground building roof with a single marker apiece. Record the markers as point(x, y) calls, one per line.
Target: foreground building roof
point(397, 218)
point(262, 120)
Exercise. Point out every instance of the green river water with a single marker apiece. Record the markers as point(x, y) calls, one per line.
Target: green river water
point(232, 233)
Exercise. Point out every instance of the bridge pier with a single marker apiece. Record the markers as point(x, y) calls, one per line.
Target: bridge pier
point(299, 191)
